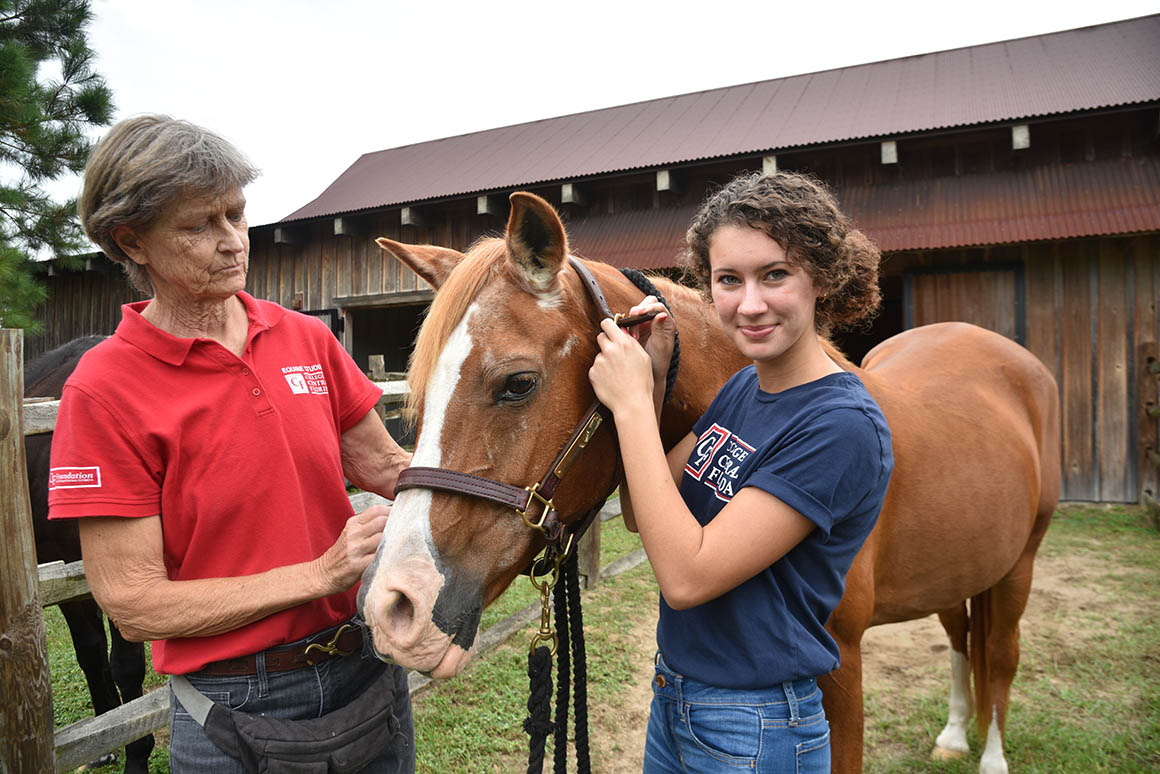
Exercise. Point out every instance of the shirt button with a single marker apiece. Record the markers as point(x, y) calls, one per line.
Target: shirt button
point(245, 372)
point(256, 392)
point(661, 682)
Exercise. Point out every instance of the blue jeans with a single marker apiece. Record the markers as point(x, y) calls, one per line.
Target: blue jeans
point(297, 694)
point(694, 728)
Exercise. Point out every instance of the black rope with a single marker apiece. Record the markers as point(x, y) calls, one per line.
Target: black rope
point(645, 285)
point(563, 681)
point(579, 661)
point(537, 724)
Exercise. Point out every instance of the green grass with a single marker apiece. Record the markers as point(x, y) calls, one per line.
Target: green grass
point(1086, 699)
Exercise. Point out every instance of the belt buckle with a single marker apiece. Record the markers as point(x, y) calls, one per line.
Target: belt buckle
point(331, 648)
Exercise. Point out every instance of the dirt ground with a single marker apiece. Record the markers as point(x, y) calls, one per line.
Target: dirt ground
point(899, 659)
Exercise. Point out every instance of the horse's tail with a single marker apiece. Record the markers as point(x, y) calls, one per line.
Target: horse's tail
point(980, 626)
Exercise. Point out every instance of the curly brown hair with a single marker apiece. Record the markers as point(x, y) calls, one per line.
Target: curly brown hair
point(801, 215)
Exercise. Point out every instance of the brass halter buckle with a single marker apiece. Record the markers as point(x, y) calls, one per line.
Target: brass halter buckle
point(548, 506)
point(331, 648)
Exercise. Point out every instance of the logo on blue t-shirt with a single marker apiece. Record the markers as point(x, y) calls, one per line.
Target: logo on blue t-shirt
point(716, 461)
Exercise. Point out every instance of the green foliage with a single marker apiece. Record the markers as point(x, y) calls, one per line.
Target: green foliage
point(42, 136)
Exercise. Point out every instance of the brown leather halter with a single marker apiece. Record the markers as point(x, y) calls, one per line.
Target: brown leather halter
point(523, 499)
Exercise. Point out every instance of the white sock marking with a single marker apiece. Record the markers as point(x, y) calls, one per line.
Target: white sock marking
point(954, 736)
point(993, 761)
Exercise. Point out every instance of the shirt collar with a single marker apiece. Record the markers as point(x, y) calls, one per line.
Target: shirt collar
point(173, 350)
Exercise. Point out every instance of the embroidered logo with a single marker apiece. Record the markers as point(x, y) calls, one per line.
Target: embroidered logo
point(306, 380)
point(74, 478)
point(716, 461)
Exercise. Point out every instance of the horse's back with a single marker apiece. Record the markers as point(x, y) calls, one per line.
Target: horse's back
point(974, 419)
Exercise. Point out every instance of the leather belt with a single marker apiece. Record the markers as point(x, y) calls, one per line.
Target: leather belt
point(340, 641)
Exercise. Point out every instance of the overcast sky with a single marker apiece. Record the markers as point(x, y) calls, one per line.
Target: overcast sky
point(305, 87)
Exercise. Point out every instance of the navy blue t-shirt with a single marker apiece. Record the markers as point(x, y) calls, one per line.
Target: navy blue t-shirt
point(822, 448)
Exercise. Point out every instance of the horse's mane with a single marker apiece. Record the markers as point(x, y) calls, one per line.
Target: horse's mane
point(479, 265)
point(45, 364)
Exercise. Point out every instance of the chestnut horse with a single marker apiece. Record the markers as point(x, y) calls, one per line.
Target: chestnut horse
point(499, 378)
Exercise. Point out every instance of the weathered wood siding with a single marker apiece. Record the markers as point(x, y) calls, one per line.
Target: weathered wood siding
point(80, 304)
point(1089, 312)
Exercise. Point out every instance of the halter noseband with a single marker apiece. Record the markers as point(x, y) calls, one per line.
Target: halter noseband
point(522, 499)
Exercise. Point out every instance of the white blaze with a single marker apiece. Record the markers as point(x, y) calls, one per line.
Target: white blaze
point(408, 531)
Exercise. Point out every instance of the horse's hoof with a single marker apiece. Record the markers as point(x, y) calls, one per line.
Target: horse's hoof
point(105, 760)
point(947, 754)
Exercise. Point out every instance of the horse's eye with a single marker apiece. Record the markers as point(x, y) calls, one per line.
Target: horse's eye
point(516, 388)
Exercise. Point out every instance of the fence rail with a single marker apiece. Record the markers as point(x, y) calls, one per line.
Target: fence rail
point(26, 588)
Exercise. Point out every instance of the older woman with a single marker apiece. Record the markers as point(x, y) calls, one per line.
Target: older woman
point(203, 448)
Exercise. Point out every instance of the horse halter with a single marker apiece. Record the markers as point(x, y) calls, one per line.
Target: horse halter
point(523, 499)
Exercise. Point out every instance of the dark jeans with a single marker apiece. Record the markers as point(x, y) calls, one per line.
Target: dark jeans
point(295, 695)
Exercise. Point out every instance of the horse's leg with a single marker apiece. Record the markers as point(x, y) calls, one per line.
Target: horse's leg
point(86, 625)
point(1008, 599)
point(129, 673)
point(842, 688)
point(952, 742)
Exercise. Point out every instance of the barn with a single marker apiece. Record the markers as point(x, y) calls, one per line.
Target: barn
point(1015, 185)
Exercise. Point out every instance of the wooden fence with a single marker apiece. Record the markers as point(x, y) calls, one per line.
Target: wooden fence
point(26, 716)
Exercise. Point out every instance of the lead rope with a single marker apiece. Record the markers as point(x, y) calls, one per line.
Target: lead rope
point(566, 602)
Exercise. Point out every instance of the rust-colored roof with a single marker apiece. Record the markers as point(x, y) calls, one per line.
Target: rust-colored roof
point(1043, 203)
point(1083, 69)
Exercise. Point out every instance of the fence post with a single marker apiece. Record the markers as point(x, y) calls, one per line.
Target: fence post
point(26, 724)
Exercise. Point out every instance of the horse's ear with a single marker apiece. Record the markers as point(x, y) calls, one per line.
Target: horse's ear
point(536, 241)
point(431, 263)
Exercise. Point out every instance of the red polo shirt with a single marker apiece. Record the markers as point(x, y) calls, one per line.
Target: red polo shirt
point(239, 456)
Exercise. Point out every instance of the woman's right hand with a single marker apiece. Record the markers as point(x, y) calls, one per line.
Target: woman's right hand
point(344, 562)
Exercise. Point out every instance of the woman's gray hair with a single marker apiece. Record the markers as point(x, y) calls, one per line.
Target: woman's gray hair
point(143, 165)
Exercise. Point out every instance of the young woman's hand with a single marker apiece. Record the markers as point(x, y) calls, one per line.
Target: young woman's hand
point(656, 336)
point(622, 374)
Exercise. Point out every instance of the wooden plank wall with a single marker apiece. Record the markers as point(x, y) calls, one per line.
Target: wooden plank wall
point(1090, 310)
point(80, 304)
point(1091, 306)
point(321, 267)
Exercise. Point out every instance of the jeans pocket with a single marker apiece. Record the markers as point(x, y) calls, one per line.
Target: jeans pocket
point(813, 755)
point(728, 733)
point(234, 696)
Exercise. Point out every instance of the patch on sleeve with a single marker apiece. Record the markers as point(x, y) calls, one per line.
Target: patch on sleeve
point(74, 478)
point(717, 459)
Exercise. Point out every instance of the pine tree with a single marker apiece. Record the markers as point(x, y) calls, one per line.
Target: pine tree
point(42, 136)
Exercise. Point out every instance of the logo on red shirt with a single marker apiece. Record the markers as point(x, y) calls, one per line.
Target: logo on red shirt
point(306, 379)
point(74, 478)
point(716, 460)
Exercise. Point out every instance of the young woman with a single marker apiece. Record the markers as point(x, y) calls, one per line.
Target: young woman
point(752, 520)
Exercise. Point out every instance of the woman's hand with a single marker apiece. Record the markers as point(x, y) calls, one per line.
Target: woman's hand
point(344, 562)
point(656, 336)
point(622, 372)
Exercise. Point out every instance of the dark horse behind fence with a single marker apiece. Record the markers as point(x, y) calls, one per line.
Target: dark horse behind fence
point(500, 376)
point(113, 675)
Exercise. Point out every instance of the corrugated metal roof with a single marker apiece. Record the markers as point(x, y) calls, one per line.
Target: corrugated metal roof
point(1083, 69)
point(1106, 197)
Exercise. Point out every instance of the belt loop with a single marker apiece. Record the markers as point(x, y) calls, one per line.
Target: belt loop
point(263, 677)
point(791, 697)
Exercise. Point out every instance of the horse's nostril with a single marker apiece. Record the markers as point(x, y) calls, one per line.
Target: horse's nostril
point(402, 613)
